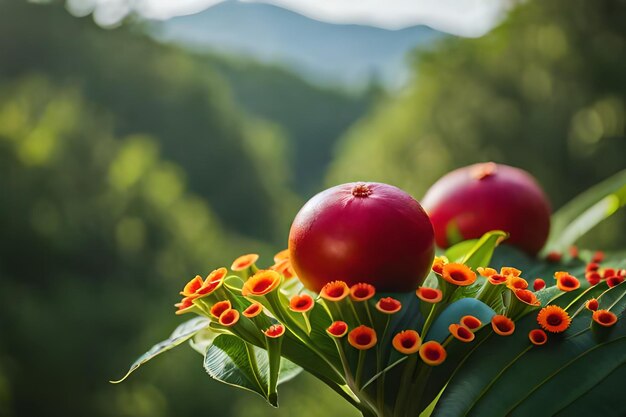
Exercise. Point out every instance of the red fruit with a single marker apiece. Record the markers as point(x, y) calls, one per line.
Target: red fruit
point(470, 201)
point(362, 232)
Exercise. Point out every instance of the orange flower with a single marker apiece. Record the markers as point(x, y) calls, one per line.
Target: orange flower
point(502, 325)
point(553, 319)
point(261, 283)
point(407, 342)
point(229, 317)
point(388, 305)
point(212, 282)
point(220, 307)
point(614, 280)
point(301, 303)
point(527, 297)
point(192, 286)
point(244, 262)
point(604, 318)
point(282, 255)
point(539, 284)
point(432, 353)
point(593, 277)
point(470, 322)
point(566, 282)
point(538, 337)
point(592, 304)
point(429, 295)
point(497, 279)
point(253, 310)
point(362, 337)
point(275, 331)
point(362, 292)
point(598, 257)
point(608, 272)
point(592, 266)
point(458, 274)
point(573, 251)
point(285, 268)
point(486, 272)
point(335, 291)
point(438, 264)
point(510, 271)
point(516, 283)
point(185, 305)
point(337, 329)
point(462, 333)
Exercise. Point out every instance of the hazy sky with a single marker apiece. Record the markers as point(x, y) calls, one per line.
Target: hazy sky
point(463, 17)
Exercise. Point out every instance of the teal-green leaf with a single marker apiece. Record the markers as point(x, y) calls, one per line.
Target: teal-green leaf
point(183, 332)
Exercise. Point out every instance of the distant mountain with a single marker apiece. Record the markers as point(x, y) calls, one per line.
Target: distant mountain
point(348, 54)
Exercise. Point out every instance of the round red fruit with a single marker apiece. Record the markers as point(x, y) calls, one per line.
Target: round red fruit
point(362, 232)
point(470, 201)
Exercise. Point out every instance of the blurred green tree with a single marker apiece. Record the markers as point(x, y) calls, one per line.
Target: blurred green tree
point(543, 91)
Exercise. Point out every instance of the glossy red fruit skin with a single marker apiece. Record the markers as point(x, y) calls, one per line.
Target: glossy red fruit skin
point(362, 232)
point(488, 196)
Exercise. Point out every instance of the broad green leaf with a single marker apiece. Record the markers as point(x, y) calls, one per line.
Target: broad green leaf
point(508, 376)
point(456, 253)
point(179, 335)
point(587, 210)
point(480, 254)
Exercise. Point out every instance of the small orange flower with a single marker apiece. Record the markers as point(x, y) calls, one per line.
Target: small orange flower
point(497, 279)
point(458, 274)
point(362, 337)
point(598, 257)
point(185, 305)
point(516, 283)
point(604, 318)
point(253, 310)
point(471, 322)
point(538, 337)
point(510, 271)
point(527, 297)
point(261, 283)
point(432, 353)
point(614, 280)
point(553, 319)
point(362, 292)
point(282, 255)
point(593, 277)
point(284, 267)
point(486, 272)
point(301, 303)
point(566, 282)
point(407, 342)
point(539, 284)
point(192, 286)
point(502, 325)
point(388, 305)
point(554, 256)
point(438, 264)
point(337, 329)
point(212, 282)
point(275, 331)
point(229, 317)
point(592, 266)
point(335, 291)
point(592, 304)
point(460, 332)
point(220, 307)
point(429, 295)
point(244, 262)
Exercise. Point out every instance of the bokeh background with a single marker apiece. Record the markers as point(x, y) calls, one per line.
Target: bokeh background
point(135, 153)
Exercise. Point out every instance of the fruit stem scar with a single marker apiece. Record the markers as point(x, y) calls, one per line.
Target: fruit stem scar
point(485, 170)
point(361, 190)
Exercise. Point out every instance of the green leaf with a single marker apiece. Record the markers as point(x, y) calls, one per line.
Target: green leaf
point(509, 376)
point(183, 332)
point(456, 253)
point(480, 254)
point(585, 211)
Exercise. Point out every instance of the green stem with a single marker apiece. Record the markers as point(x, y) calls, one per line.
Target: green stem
point(405, 383)
point(380, 384)
point(359, 368)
